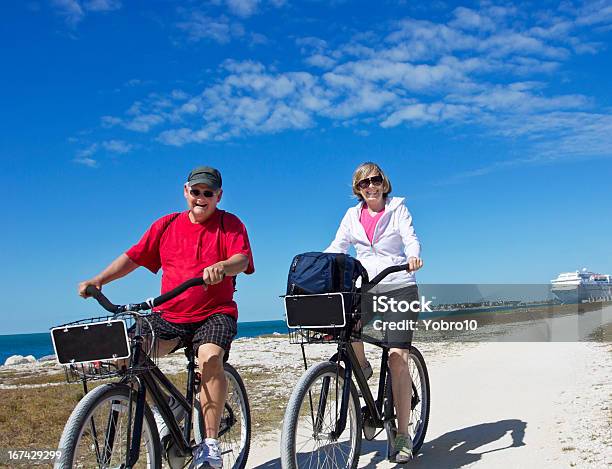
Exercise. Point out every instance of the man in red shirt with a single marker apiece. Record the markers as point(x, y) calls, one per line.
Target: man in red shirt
point(201, 241)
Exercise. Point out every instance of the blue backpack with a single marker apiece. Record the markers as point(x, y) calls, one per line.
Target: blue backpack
point(319, 272)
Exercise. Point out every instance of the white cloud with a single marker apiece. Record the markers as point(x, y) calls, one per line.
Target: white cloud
point(422, 113)
point(592, 13)
point(110, 121)
point(74, 11)
point(492, 68)
point(85, 155)
point(518, 98)
point(243, 8)
point(102, 5)
point(246, 8)
point(70, 9)
point(466, 18)
point(89, 162)
point(143, 122)
point(87, 151)
point(199, 26)
point(319, 60)
point(179, 95)
point(117, 146)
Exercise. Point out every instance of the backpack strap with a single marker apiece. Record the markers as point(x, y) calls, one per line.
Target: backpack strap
point(339, 272)
point(223, 246)
point(168, 223)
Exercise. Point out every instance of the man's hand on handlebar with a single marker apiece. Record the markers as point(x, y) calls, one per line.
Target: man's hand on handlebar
point(214, 274)
point(414, 264)
point(83, 286)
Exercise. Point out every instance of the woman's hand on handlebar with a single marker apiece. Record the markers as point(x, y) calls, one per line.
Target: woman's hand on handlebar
point(414, 264)
point(83, 286)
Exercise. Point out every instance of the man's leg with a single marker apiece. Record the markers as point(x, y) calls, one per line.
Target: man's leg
point(164, 347)
point(213, 388)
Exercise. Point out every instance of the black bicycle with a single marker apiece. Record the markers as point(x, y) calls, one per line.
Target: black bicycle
point(324, 419)
point(113, 425)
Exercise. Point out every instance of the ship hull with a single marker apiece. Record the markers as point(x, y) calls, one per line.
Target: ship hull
point(571, 294)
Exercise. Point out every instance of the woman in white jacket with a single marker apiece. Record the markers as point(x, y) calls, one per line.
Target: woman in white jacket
point(380, 228)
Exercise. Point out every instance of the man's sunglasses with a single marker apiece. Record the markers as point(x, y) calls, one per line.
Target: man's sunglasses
point(196, 193)
point(374, 180)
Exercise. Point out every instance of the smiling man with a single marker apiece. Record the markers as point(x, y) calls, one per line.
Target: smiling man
point(202, 241)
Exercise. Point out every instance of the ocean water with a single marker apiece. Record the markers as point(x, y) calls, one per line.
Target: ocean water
point(40, 344)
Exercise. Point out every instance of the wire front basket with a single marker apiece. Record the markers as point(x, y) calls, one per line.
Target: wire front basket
point(91, 371)
point(314, 336)
point(103, 347)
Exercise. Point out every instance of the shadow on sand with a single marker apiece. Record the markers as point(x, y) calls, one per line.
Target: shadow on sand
point(451, 450)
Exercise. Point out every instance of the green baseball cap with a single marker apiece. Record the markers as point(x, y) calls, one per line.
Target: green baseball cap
point(205, 175)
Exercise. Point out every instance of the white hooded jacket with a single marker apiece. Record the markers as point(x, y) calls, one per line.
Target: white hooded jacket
point(394, 240)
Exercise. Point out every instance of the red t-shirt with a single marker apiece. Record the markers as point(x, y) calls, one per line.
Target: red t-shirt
point(182, 251)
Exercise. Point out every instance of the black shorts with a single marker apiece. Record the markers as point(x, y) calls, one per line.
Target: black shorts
point(391, 338)
point(219, 329)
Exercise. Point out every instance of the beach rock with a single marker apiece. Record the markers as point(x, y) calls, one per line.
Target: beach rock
point(47, 358)
point(19, 360)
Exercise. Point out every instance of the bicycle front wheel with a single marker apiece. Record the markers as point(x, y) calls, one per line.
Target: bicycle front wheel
point(420, 403)
point(309, 436)
point(99, 431)
point(235, 428)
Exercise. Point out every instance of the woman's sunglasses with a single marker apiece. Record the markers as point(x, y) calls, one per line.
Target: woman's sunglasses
point(374, 180)
point(196, 193)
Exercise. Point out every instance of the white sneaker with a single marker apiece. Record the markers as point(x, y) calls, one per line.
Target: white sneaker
point(177, 410)
point(207, 454)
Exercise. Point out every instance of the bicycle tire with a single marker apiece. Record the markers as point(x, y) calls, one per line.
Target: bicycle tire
point(296, 416)
point(78, 448)
point(419, 415)
point(237, 402)
point(425, 400)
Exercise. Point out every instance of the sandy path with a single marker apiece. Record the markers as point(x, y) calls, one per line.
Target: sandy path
point(510, 405)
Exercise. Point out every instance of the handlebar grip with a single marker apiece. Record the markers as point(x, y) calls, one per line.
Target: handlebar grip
point(101, 299)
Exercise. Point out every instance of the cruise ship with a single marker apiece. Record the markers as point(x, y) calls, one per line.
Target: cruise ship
point(582, 285)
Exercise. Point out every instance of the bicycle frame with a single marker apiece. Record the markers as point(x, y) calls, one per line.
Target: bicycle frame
point(147, 381)
point(346, 354)
point(377, 413)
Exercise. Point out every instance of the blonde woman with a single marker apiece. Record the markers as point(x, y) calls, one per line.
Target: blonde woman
point(380, 228)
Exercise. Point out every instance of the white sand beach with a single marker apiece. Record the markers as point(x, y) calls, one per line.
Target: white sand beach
point(511, 404)
point(500, 405)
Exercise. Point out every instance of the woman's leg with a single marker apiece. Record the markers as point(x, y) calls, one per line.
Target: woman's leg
point(401, 384)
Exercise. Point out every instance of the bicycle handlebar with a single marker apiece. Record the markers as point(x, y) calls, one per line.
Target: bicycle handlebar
point(116, 309)
point(387, 271)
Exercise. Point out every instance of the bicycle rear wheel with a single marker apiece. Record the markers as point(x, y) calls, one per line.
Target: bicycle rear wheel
point(235, 429)
point(308, 438)
point(98, 432)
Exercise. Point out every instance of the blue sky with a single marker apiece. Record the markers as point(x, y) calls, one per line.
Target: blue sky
point(492, 119)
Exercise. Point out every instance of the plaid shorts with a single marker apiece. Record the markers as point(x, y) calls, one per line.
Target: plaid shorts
point(219, 329)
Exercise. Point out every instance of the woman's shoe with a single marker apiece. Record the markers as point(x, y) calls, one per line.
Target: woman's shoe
point(403, 448)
